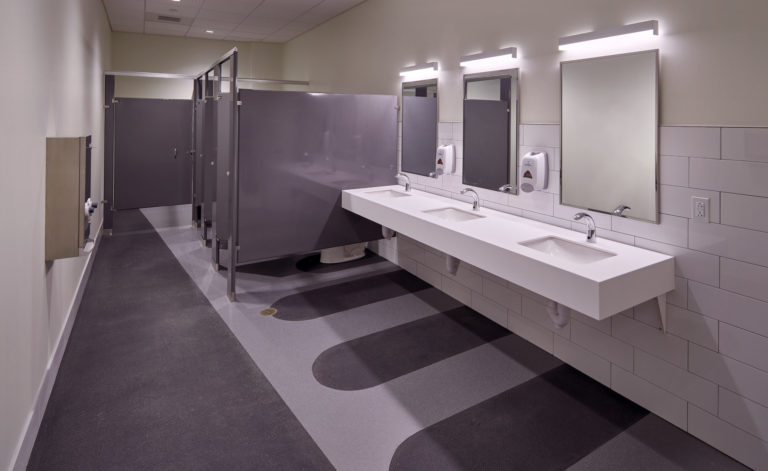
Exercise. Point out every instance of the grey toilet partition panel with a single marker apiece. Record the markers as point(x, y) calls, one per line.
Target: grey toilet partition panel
point(197, 185)
point(419, 134)
point(297, 151)
point(223, 169)
point(486, 143)
point(208, 162)
point(151, 153)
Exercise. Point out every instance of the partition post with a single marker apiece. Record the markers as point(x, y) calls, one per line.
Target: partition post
point(215, 237)
point(234, 179)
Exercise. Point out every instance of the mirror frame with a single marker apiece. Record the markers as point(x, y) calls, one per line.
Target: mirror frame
point(657, 128)
point(513, 165)
point(414, 84)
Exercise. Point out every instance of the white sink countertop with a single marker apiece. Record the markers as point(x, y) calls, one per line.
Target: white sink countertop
point(597, 279)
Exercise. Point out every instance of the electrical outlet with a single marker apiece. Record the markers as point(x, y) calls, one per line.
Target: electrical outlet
point(700, 209)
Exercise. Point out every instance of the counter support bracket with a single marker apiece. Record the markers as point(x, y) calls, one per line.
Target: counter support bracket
point(662, 300)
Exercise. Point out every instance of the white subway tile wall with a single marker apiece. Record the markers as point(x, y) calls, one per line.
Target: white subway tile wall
point(708, 374)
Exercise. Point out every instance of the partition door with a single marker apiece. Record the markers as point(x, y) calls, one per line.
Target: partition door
point(152, 161)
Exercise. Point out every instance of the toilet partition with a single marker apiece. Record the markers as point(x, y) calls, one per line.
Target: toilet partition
point(273, 163)
point(296, 152)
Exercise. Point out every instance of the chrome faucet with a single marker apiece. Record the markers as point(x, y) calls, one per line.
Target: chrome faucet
point(619, 211)
point(407, 180)
point(475, 198)
point(508, 188)
point(591, 229)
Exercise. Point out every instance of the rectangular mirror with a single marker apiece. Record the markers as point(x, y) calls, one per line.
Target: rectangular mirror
point(610, 134)
point(419, 135)
point(490, 130)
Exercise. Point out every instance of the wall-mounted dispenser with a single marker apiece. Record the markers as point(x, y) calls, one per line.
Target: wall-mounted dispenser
point(445, 161)
point(534, 172)
point(67, 202)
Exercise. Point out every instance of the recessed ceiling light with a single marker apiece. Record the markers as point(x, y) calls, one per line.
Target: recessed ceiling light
point(177, 1)
point(209, 31)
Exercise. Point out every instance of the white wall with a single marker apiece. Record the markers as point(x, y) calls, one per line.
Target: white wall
point(712, 62)
point(180, 55)
point(708, 374)
point(55, 53)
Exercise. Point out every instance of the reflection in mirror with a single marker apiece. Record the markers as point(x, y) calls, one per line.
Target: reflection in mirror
point(610, 134)
point(419, 136)
point(490, 130)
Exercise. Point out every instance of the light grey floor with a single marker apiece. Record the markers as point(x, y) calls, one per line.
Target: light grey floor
point(355, 429)
point(362, 429)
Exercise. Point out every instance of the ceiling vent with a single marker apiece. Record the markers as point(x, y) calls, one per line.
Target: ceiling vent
point(163, 18)
point(170, 19)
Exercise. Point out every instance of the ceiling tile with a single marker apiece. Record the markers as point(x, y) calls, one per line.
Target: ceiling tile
point(185, 7)
point(214, 25)
point(257, 30)
point(154, 27)
point(295, 28)
point(251, 20)
point(137, 5)
point(263, 22)
point(240, 36)
point(198, 32)
point(224, 16)
point(233, 6)
point(285, 9)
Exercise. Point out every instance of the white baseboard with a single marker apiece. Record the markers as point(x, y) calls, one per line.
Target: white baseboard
point(24, 449)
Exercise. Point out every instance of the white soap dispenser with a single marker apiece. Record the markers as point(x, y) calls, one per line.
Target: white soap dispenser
point(445, 160)
point(534, 172)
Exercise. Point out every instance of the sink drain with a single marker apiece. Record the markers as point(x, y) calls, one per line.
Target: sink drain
point(270, 311)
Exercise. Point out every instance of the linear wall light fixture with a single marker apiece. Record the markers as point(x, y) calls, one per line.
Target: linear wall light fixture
point(419, 71)
point(499, 59)
point(635, 30)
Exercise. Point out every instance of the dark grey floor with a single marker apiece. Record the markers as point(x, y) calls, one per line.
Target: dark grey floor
point(350, 294)
point(549, 422)
point(152, 379)
point(388, 354)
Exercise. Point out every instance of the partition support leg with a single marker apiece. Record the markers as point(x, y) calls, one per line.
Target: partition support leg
point(216, 252)
point(232, 269)
point(662, 300)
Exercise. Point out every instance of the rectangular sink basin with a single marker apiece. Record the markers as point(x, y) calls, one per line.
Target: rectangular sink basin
point(567, 250)
point(387, 194)
point(453, 214)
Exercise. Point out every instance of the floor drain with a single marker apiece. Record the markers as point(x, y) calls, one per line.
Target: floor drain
point(270, 311)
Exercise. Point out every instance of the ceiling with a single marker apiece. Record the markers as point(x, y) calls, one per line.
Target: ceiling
point(275, 21)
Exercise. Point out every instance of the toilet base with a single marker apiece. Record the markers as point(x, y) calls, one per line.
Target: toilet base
point(345, 253)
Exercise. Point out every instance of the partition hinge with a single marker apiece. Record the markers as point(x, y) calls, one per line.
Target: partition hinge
point(218, 97)
point(115, 100)
point(106, 107)
point(239, 103)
